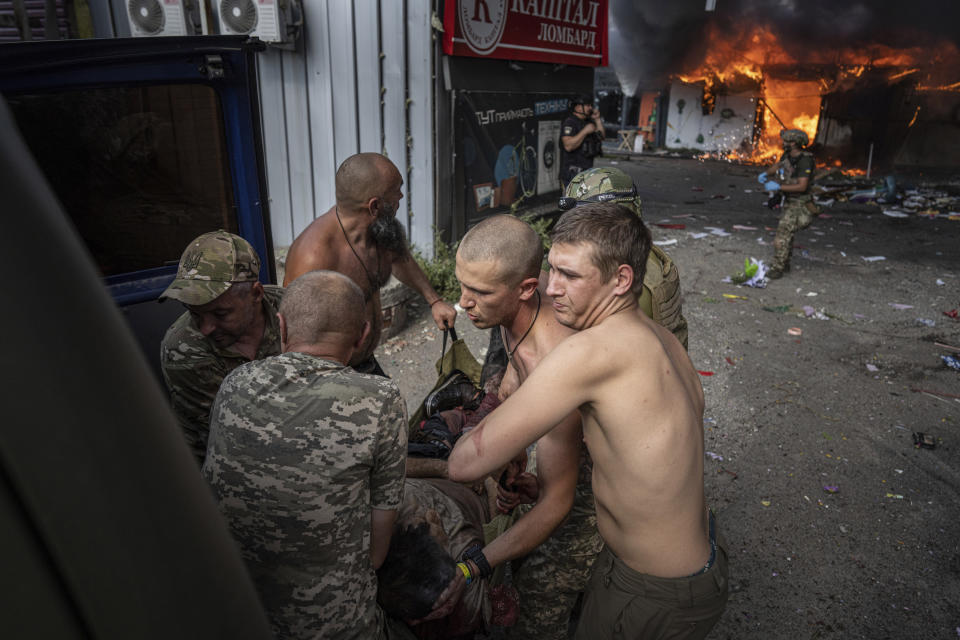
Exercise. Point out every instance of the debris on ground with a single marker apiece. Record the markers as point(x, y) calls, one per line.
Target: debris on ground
point(924, 440)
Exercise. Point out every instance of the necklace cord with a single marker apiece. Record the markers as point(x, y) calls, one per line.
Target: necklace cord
point(536, 315)
point(374, 283)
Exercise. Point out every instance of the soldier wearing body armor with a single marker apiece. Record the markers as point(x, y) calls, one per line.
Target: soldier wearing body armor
point(581, 137)
point(796, 176)
point(661, 299)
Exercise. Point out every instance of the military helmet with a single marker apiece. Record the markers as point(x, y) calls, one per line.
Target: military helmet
point(601, 184)
point(795, 135)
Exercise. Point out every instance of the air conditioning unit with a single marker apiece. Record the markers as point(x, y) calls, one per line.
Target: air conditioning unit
point(163, 17)
point(275, 21)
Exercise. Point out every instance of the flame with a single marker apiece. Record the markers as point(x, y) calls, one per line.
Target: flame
point(914, 119)
point(755, 60)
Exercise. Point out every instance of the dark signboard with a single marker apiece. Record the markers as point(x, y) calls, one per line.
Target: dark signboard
point(508, 146)
point(558, 31)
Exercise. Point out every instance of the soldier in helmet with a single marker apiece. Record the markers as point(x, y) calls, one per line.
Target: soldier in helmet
point(581, 137)
point(796, 168)
point(661, 299)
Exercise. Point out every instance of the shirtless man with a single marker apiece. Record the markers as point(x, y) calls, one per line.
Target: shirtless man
point(661, 573)
point(498, 265)
point(361, 238)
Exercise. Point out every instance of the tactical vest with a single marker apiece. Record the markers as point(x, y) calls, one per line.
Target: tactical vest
point(662, 284)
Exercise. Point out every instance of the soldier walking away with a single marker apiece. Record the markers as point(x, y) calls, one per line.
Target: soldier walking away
point(796, 170)
point(581, 138)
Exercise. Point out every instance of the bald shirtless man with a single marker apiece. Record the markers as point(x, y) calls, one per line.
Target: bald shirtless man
point(498, 266)
point(361, 238)
point(661, 573)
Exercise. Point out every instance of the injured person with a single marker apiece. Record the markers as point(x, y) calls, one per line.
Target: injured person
point(438, 521)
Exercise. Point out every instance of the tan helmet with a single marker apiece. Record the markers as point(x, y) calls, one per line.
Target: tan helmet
point(601, 184)
point(795, 135)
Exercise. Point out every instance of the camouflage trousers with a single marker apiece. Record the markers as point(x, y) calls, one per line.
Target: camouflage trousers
point(554, 574)
point(795, 217)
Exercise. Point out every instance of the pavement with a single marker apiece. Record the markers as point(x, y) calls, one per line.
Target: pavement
point(837, 525)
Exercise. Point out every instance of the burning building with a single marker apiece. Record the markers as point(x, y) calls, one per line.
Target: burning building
point(874, 96)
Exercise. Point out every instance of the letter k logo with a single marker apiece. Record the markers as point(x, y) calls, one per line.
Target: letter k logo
point(477, 5)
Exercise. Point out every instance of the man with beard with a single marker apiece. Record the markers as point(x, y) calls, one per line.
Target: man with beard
point(361, 238)
point(231, 319)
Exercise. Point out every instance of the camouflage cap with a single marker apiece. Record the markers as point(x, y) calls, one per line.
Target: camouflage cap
point(601, 184)
point(210, 265)
point(795, 135)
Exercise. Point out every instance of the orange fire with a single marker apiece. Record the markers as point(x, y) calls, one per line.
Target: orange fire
point(790, 98)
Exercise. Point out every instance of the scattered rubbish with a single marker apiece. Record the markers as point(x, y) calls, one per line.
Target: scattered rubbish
point(754, 274)
point(808, 310)
point(709, 422)
point(926, 322)
point(706, 374)
point(720, 196)
point(698, 235)
point(874, 258)
point(811, 294)
point(936, 395)
point(947, 346)
point(669, 225)
point(743, 227)
point(730, 296)
point(730, 362)
point(951, 361)
point(896, 496)
point(940, 282)
point(795, 331)
point(953, 313)
point(894, 213)
point(696, 188)
point(900, 307)
point(899, 470)
point(924, 440)
point(717, 231)
point(710, 300)
point(830, 488)
point(722, 470)
point(748, 190)
point(766, 503)
point(714, 456)
point(872, 368)
point(783, 308)
point(843, 529)
point(665, 243)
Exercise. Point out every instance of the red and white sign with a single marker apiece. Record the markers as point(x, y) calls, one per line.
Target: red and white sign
point(557, 31)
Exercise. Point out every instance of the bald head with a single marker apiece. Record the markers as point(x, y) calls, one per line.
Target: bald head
point(364, 176)
point(323, 306)
point(507, 241)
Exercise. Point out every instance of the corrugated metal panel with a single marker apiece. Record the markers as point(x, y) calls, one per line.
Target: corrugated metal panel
point(325, 101)
point(37, 19)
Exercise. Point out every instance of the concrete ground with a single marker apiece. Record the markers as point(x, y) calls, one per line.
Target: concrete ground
point(837, 526)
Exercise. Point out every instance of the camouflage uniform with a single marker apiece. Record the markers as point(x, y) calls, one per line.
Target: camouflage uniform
point(553, 575)
point(301, 449)
point(194, 366)
point(797, 214)
point(661, 299)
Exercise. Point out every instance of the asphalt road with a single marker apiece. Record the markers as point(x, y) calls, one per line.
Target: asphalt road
point(837, 525)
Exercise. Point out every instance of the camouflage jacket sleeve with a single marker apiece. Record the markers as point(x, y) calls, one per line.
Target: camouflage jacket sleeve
point(193, 380)
point(386, 478)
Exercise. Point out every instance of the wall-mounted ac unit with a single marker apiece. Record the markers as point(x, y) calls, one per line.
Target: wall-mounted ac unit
point(275, 21)
point(162, 17)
